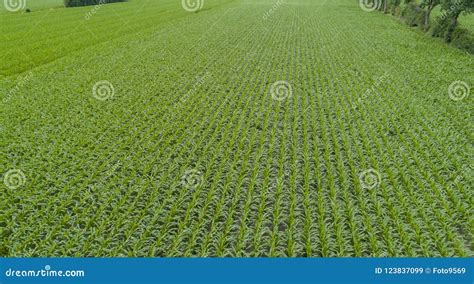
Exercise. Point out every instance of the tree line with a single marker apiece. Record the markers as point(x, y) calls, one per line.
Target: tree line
point(446, 26)
point(77, 3)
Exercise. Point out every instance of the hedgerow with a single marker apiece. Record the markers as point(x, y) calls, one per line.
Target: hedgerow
point(413, 15)
point(77, 3)
point(418, 13)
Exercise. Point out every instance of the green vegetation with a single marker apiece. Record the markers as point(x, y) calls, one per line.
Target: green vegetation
point(447, 23)
point(33, 39)
point(247, 128)
point(33, 5)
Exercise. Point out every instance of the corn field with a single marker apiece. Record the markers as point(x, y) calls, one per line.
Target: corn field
point(291, 128)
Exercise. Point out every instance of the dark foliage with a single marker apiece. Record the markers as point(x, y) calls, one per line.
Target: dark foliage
point(77, 3)
point(413, 15)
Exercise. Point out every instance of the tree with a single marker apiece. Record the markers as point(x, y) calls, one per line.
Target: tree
point(430, 5)
point(395, 4)
point(452, 9)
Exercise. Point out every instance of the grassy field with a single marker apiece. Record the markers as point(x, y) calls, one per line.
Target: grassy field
point(32, 5)
point(33, 39)
point(249, 128)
